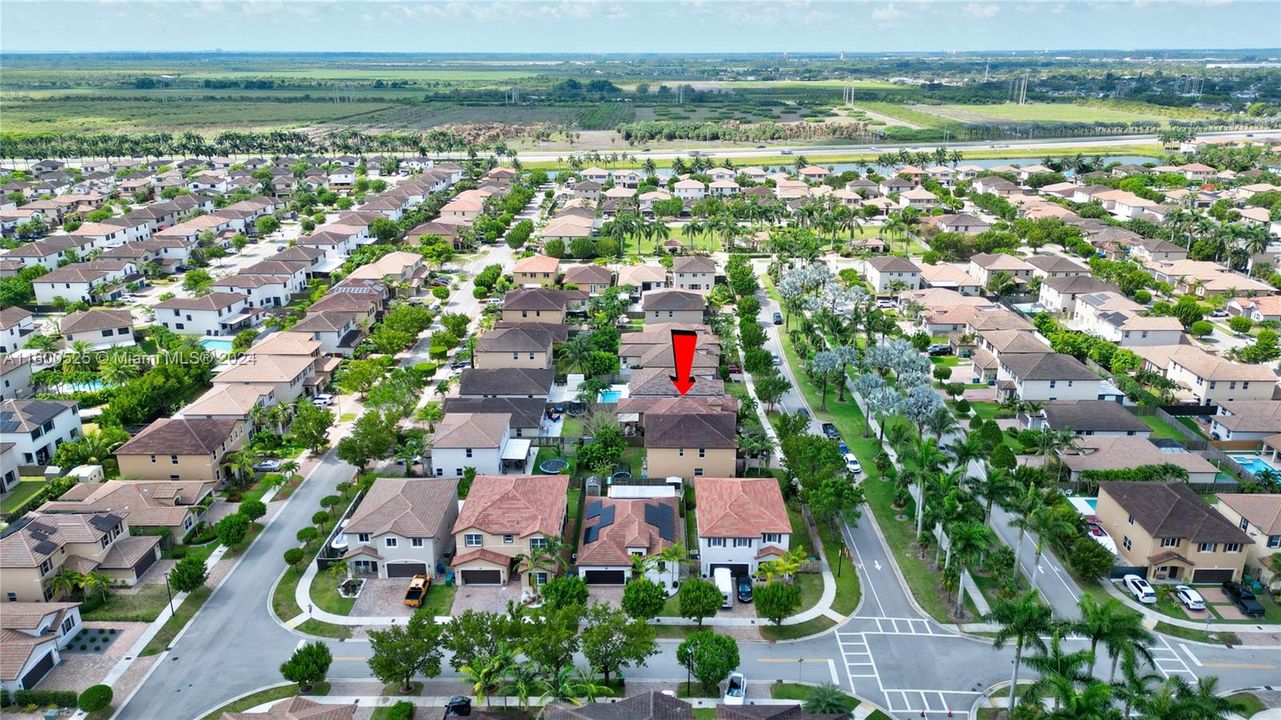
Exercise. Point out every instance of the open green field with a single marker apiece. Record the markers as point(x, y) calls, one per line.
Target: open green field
point(910, 115)
point(1049, 112)
point(387, 74)
point(75, 116)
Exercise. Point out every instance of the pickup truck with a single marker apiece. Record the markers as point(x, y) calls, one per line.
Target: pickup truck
point(417, 591)
point(1243, 598)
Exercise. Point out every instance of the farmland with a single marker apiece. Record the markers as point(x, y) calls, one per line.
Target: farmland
point(76, 115)
point(1052, 112)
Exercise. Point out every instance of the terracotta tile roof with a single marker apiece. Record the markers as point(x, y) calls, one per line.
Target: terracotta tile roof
point(893, 263)
point(408, 507)
point(535, 299)
point(673, 300)
point(652, 705)
point(147, 503)
point(515, 504)
point(515, 339)
point(484, 554)
point(266, 369)
point(95, 320)
point(126, 551)
point(739, 507)
point(631, 528)
point(537, 264)
point(41, 535)
point(471, 430)
point(297, 708)
point(16, 648)
point(212, 301)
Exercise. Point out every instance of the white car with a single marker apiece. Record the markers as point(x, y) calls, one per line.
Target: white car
point(1190, 598)
point(735, 689)
point(1140, 589)
point(323, 400)
point(852, 465)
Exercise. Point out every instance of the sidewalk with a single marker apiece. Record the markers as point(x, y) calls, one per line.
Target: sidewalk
point(1154, 616)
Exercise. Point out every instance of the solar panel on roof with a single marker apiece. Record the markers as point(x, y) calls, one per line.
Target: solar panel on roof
point(39, 527)
point(44, 547)
point(606, 517)
point(661, 517)
point(104, 522)
point(593, 508)
point(591, 535)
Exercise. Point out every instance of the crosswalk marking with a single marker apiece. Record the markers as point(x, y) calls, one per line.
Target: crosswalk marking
point(1168, 660)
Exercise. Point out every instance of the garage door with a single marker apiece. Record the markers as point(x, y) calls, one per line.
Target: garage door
point(143, 563)
point(406, 569)
point(734, 569)
point(1211, 576)
point(481, 577)
point(604, 577)
point(36, 673)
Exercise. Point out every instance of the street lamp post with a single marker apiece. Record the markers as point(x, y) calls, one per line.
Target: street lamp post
point(169, 593)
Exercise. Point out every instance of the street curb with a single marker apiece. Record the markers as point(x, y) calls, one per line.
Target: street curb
point(239, 697)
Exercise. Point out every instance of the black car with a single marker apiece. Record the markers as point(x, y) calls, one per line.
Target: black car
point(458, 706)
point(460, 365)
point(778, 318)
point(830, 431)
point(939, 349)
point(744, 586)
point(1243, 598)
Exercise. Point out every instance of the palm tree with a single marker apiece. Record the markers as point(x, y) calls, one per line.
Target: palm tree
point(1022, 620)
point(1120, 630)
point(522, 683)
point(487, 672)
point(98, 581)
point(969, 540)
point(1092, 702)
point(1024, 508)
point(1060, 671)
point(1136, 683)
point(289, 468)
point(827, 699)
point(66, 582)
point(672, 556)
point(577, 351)
point(430, 413)
point(96, 447)
point(118, 370)
point(542, 558)
point(240, 465)
point(992, 484)
point(1048, 521)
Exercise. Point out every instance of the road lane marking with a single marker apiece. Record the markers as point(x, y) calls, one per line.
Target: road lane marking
point(1190, 655)
point(1239, 666)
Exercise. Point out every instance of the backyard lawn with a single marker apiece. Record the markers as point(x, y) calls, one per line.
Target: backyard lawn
point(141, 606)
point(1160, 428)
point(20, 494)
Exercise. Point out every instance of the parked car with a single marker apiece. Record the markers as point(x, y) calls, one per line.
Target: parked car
point(939, 349)
point(830, 431)
point(1244, 598)
point(458, 706)
point(1218, 313)
point(460, 365)
point(743, 586)
point(885, 304)
point(852, 465)
point(735, 689)
point(778, 318)
point(1140, 589)
point(777, 360)
point(322, 400)
point(1190, 598)
point(268, 465)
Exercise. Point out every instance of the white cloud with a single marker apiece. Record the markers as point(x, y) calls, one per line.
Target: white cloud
point(888, 14)
point(983, 10)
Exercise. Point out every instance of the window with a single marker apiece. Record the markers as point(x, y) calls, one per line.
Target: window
point(1130, 519)
point(716, 542)
point(362, 537)
point(742, 542)
point(45, 567)
point(1244, 524)
point(1169, 542)
point(415, 542)
point(1232, 547)
point(106, 333)
point(681, 452)
point(391, 541)
point(13, 597)
point(1125, 541)
point(1274, 541)
point(67, 624)
point(1206, 547)
point(698, 472)
point(772, 538)
point(468, 452)
point(473, 539)
point(702, 452)
point(173, 459)
point(541, 578)
point(509, 539)
point(538, 542)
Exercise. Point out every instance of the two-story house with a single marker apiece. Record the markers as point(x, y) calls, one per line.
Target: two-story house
point(37, 546)
point(1259, 517)
point(505, 382)
point(37, 427)
point(290, 374)
point(673, 306)
point(887, 273)
point(617, 530)
point(217, 313)
point(15, 325)
point(691, 440)
point(161, 505)
point(503, 518)
point(536, 305)
point(34, 633)
point(1037, 377)
point(403, 527)
point(99, 328)
point(477, 440)
point(515, 346)
point(182, 449)
point(1169, 530)
point(539, 270)
point(593, 279)
point(741, 522)
point(693, 272)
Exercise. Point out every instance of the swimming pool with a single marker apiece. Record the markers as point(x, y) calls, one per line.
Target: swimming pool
point(1085, 505)
point(610, 397)
point(222, 346)
point(74, 387)
point(1253, 464)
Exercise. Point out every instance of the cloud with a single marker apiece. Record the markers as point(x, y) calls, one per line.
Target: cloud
point(888, 14)
point(983, 10)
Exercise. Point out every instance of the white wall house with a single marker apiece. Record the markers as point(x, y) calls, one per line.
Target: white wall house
point(741, 523)
point(38, 427)
point(218, 313)
point(402, 527)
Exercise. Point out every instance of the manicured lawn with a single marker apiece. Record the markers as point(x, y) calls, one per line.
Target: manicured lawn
point(571, 428)
point(181, 616)
point(796, 691)
point(20, 494)
point(142, 606)
point(800, 630)
point(1192, 425)
point(811, 585)
point(265, 696)
point(1222, 638)
point(440, 599)
point(704, 713)
point(634, 458)
point(282, 601)
point(1247, 704)
point(985, 410)
point(324, 593)
point(800, 532)
point(1160, 428)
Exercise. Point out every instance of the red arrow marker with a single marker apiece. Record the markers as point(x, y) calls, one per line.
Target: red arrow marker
point(683, 344)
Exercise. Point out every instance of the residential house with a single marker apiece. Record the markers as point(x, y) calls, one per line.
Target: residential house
point(337, 332)
point(694, 272)
point(15, 376)
point(594, 279)
point(689, 190)
point(233, 401)
point(36, 547)
point(291, 375)
point(536, 270)
point(1056, 266)
point(890, 274)
point(506, 517)
point(1209, 379)
point(691, 440)
point(1050, 376)
point(1258, 309)
point(15, 324)
point(403, 527)
point(668, 306)
point(99, 328)
point(213, 314)
point(959, 223)
point(182, 449)
point(1169, 530)
point(505, 382)
point(535, 305)
point(947, 276)
point(1061, 294)
point(656, 382)
point(643, 277)
point(1259, 517)
point(82, 282)
point(1089, 417)
point(516, 346)
point(1246, 420)
point(1132, 330)
point(172, 507)
point(1122, 452)
point(37, 427)
point(741, 522)
point(527, 414)
point(918, 198)
point(32, 634)
point(618, 530)
point(467, 205)
point(477, 440)
point(984, 265)
point(261, 291)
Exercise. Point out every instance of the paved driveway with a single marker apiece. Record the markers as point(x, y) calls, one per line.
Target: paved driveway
point(486, 598)
point(383, 598)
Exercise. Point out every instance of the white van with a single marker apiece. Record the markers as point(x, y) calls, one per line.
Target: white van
point(725, 583)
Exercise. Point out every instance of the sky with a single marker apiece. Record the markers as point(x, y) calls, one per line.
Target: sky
point(661, 26)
